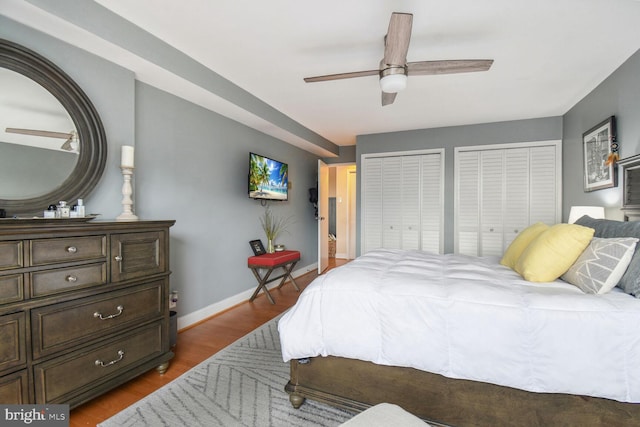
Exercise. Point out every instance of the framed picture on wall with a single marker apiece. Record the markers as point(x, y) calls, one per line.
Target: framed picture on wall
point(599, 144)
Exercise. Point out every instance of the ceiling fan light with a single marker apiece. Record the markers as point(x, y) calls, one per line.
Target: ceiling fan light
point(393, 83)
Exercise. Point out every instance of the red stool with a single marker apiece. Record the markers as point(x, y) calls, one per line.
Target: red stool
point(285, 259)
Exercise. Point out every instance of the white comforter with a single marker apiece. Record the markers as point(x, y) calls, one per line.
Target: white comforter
point(467, 317)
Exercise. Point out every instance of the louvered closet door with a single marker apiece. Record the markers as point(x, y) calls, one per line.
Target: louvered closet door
point(371, 199)
point(491, 202)
point(392, 203)
point(411, 202)
point(517, 193)
point(401, 197)
point(501, 191)
point(467, 202)
point(431, 204)
point(544, 198)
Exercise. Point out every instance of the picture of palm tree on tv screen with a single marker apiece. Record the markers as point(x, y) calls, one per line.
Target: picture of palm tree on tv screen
point(268, 178)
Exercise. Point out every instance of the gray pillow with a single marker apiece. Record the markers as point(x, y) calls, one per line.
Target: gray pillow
point(606, 228)
point(601, 266)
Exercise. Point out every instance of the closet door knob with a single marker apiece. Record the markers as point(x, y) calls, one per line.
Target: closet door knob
point(118, 258)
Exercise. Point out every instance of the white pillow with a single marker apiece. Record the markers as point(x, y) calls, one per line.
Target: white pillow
point(599, 268)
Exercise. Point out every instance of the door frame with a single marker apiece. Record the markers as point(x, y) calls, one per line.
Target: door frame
point(323, 216)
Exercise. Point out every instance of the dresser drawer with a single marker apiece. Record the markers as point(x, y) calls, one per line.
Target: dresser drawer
point(49, 251)
point(60, 326)
point(14, 388)
point(11, 255)
point(57, 380)
point(11, 288)
point(13, 341)
point(66, 279)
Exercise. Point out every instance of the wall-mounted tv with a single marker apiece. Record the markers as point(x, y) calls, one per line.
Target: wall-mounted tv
point(268, 178)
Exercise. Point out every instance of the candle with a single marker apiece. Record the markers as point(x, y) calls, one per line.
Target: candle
point(127, 157)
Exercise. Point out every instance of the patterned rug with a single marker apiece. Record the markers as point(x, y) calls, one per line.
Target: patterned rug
point(242, 385)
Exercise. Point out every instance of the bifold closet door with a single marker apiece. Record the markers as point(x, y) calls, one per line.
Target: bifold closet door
point(432, 200)
point(402, 202)
point(501, 191)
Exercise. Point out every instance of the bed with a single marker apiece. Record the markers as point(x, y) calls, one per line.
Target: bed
point(461, 340)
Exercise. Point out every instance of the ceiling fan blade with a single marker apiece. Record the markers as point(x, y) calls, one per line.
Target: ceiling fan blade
point(35, 132)
point(67, 145)
point(448, 66)
point(341, 76)
point(397, 39)
point(388, 98)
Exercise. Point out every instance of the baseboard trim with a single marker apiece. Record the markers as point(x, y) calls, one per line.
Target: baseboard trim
point(217, 307)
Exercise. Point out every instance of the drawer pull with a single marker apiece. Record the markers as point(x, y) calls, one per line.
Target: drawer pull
point(118, 258)
point(71, 278)
point(111, 316)
point(104, 365)
point(72, 249)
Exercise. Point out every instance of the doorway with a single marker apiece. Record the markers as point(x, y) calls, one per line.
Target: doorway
point(342, 211)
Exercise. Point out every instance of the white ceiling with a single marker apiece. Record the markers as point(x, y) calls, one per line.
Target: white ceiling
point(548, 55)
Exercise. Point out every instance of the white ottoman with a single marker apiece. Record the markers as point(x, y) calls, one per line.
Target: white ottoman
point(385, 415)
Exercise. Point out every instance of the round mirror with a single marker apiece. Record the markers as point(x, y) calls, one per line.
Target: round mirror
point(52, 142)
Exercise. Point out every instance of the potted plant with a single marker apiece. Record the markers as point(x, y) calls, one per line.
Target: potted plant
point(273, 226)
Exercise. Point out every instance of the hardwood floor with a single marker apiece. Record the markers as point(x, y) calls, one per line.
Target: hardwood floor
point(194, 345)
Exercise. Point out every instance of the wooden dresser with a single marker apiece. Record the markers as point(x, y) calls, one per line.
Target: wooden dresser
point(83, 307)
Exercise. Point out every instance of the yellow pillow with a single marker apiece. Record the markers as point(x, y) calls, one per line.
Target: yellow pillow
point(553, 252)
point(520, 243)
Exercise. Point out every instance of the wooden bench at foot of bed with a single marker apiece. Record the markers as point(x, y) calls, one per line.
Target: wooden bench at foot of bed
point(357, 385)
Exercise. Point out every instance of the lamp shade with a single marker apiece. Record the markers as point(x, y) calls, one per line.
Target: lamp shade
point(577, 212)
point(393, 83)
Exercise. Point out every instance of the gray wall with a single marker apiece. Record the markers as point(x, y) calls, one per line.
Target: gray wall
point(619, 96)
point(192, 166)
point(543, 129)
point(347, 154)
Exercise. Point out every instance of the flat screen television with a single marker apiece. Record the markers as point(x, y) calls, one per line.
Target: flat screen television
point(268, 178)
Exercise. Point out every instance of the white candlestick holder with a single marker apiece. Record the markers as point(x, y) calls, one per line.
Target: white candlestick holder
point(127, 202)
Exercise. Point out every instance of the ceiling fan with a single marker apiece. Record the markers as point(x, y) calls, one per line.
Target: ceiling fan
point(394, 68)
point(71, 143)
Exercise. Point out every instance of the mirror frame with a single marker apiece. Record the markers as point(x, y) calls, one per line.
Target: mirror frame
point(93, 144)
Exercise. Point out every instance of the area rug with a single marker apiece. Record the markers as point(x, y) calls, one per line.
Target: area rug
point(241, 385)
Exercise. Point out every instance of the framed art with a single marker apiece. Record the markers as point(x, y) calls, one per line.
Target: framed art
point(600, 150)
point(257, 248)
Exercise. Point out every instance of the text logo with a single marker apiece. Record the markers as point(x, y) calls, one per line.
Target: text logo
point(34, 415)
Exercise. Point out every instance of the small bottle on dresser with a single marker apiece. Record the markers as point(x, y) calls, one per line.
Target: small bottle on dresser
point(51, 211)
point(63, 210)
point(80, 211)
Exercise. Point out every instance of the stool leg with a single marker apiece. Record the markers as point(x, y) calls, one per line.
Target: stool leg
point(262, 284)
point(287, 273)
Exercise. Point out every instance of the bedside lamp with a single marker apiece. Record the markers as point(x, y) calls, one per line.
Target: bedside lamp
point(576, 212)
